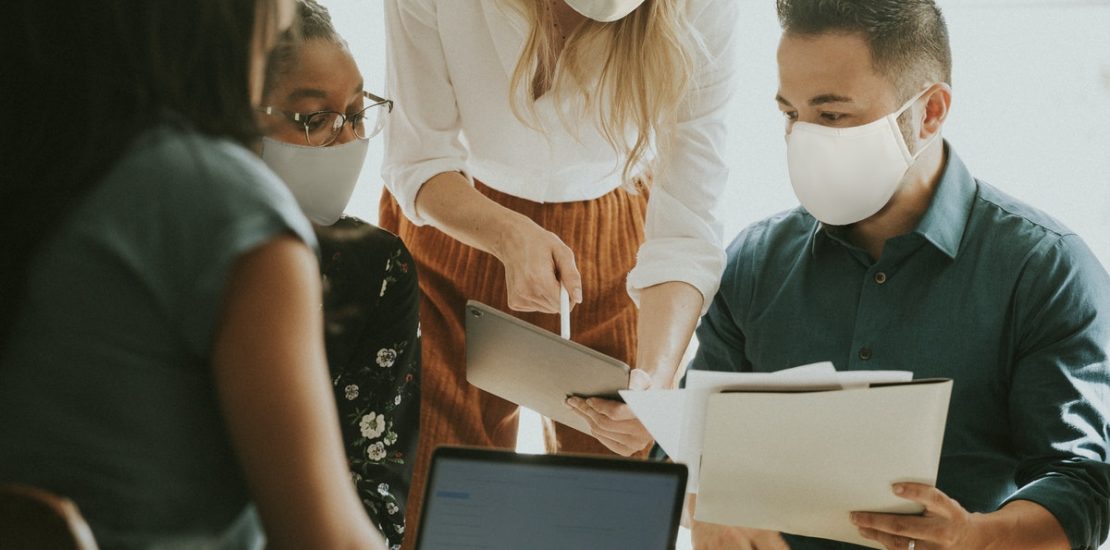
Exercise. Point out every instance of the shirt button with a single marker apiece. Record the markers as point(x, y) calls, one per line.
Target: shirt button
point(880, 278)
point(865, 353)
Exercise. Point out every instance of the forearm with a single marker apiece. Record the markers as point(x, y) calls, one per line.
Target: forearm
point(668, 315)
point(1020, 524)
point(453, 206)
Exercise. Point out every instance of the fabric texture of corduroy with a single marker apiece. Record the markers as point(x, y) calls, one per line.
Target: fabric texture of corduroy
point(605, 235)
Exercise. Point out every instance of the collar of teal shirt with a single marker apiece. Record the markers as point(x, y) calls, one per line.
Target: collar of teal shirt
point(946, 219)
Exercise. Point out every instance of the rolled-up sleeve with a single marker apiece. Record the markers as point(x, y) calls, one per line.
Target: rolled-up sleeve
point(1060, 390)
point(422, 134)
point(682, 232)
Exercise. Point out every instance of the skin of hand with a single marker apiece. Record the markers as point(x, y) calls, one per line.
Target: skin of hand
point(668, 315)
point(271, 377)
point(536, 261)
point(946, 525)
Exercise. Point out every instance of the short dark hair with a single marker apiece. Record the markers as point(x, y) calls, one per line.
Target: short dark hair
point(83, 79)
point(313, 22)
point(908, 38)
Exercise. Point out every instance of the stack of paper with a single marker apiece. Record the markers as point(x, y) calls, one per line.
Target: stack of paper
point(798, 450)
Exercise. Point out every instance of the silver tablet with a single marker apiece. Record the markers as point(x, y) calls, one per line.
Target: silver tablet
point(520, 362)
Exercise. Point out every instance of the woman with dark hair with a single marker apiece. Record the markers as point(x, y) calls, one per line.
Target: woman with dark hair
point(146, 370)
point(319, 120)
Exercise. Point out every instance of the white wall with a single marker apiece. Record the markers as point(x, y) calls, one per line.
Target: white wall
point(1031, 111)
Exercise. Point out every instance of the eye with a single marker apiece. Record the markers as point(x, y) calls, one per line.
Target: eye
point(790, 115)
point(831, 117)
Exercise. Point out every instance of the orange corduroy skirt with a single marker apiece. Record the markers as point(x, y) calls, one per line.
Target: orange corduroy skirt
point(605, 235)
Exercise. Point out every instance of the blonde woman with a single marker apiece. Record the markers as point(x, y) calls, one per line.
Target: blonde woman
point(545, 143)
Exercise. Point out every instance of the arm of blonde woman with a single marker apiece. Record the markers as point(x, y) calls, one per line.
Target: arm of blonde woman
point(271, 376)
point(536, 261)
point(668, 314)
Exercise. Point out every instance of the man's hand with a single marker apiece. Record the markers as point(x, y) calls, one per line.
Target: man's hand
point(612, 422)
point(944, 525)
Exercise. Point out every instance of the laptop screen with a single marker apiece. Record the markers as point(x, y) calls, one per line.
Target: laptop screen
point(494, 500)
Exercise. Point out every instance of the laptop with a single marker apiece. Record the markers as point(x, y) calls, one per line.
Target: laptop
point(527, 365)
point(489, 499)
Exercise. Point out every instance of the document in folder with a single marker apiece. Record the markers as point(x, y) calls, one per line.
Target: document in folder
point(676, 418)
point(800, 461)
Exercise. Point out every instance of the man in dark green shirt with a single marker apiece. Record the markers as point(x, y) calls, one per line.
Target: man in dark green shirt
point(899, 259)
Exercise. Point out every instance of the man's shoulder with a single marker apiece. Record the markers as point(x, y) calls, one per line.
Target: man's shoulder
point(1019, 217)
point(783, 234)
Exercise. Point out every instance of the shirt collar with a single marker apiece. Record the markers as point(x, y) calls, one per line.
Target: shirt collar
point(946, 219)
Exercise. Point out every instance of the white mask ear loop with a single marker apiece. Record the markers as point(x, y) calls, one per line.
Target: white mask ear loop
point(898, 113)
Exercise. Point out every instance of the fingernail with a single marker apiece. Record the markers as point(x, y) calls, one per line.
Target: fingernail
point(578, 295)
point(898, 489)
point(853, 517)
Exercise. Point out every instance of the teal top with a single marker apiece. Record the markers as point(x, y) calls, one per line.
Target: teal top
point(987, 291)
point(106, 387)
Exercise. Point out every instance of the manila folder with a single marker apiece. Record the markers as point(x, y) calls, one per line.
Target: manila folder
point(800, 462)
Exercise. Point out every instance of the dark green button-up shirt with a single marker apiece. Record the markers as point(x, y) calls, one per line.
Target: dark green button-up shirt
point(987, 291)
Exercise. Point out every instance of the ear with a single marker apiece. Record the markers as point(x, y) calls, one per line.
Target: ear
point(938, 101)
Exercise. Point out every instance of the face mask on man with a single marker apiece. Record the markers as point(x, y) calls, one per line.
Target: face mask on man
point(605, 11)
point(322, 179)
point(846, 175)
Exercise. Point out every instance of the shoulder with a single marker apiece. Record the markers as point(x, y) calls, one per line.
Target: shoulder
point(782, 235)
point(191, 193)
point(1013, 233)
point(1049, 255)
point(769, 244)
point(1026, 221)
point(352, 232)
point(190, 165)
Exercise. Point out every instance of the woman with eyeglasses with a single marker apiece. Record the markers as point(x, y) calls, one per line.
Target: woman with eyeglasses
point(161, 357)
point(320, 119)
point(539, 144)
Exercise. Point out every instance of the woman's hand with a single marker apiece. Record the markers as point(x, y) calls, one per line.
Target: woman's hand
point(612, 422)
point(537, 264)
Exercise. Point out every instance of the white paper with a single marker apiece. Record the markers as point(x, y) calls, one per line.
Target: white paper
point(802, 462)
point(676, 418)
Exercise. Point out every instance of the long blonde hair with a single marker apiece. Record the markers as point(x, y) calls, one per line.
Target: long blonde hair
point(628, 74)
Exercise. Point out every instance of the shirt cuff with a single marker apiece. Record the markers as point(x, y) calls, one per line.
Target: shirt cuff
point(1064, 500)
point(692, 261)
point(405, 184)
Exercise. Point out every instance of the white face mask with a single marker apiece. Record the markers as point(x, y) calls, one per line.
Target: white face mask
point(321, 178)
point(845, 175)
point(604, 10)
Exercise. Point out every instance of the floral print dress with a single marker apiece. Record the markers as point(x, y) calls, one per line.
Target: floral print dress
point(372, 332)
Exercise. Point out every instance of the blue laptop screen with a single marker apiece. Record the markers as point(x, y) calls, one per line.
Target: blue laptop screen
point(495, 505)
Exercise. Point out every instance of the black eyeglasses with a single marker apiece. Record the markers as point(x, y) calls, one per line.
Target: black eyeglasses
point(322, 127)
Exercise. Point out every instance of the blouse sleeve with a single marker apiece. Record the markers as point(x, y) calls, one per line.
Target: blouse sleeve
point(682, 232)
point(422, 134)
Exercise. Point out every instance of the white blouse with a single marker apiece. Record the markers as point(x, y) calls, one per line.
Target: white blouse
point(449, 68)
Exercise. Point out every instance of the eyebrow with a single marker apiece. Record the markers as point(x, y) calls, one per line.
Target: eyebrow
point(306, 92)
point(822, 99)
